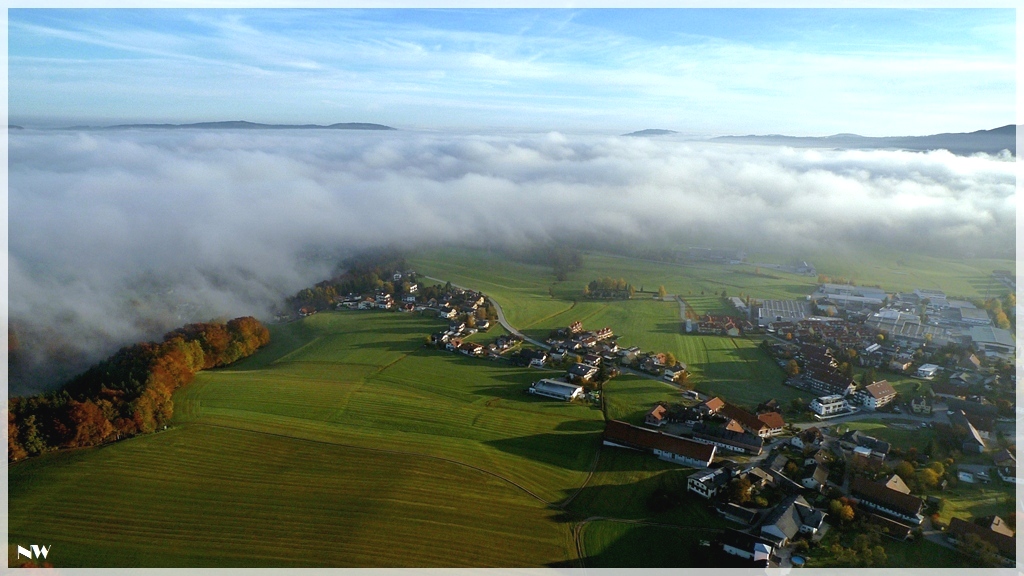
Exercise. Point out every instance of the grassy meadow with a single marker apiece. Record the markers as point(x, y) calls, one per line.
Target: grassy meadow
point(536, 304)
point(344, 443)
point(347, 442)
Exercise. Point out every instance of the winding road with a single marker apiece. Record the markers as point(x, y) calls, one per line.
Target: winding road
point(501, 316)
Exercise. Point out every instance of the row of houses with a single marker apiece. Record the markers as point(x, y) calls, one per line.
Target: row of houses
point(765, 530)
point(891, 498)
point(726, 426)
point(719, 325)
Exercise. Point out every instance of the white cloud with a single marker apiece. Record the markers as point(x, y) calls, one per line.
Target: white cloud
point(119, 235)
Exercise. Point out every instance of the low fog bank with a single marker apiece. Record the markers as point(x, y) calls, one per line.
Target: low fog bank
point(119, 236)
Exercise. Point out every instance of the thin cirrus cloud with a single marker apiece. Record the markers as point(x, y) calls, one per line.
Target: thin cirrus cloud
point(117, 236)
point(706, 71)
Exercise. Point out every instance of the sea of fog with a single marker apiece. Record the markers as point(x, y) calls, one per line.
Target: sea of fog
point(118, 235)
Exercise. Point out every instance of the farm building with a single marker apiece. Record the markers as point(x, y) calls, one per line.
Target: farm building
point(665, 446)
point(763, 425)
point(896, 483)
point(556, 389)
point(881, 498)
point(1006, 545)
point(733, 440)
point(887, 526)
point(973, 441)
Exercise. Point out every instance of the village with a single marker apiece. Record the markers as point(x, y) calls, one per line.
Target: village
point(786, 484)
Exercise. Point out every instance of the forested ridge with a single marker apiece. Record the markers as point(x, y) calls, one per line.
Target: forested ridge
point(129, 393)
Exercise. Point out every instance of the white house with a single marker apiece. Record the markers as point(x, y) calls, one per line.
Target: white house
point(707, 483)
point(876, 395)
point(927, 371)
point(746, 546)
point(828, 405)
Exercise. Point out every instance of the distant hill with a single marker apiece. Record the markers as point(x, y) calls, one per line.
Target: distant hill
point(15, 127)
point(988, 141)
point(651, 132)
point(242, 124)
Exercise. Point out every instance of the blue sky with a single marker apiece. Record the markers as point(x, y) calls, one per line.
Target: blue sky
point(803, 72)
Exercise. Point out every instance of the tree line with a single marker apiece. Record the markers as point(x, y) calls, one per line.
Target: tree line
point(129, 393)
point(608, 288)
point(365, 272)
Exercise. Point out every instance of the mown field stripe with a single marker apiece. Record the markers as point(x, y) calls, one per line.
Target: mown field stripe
point(386, 451)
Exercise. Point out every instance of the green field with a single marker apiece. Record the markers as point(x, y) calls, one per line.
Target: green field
point(897, 271)
point(345, 434)
point(898, 434)
point(532, 296)
point(347, 442)
point(613, 544)
point(969, 501)
point(536, 304)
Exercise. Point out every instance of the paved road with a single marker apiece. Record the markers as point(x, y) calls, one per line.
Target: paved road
point(511, 330)
point(501, 316)
point(939, 416)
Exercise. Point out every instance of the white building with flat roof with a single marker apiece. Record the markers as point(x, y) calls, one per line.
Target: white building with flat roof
point(849, 296)
point(828, 405)
point(556, 389)
point(782, 311)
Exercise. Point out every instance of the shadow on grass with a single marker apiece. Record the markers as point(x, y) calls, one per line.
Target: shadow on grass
point(569, 451)
point(676, 542)
point(639, 546)
point(676, 327)
point(581, 426)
